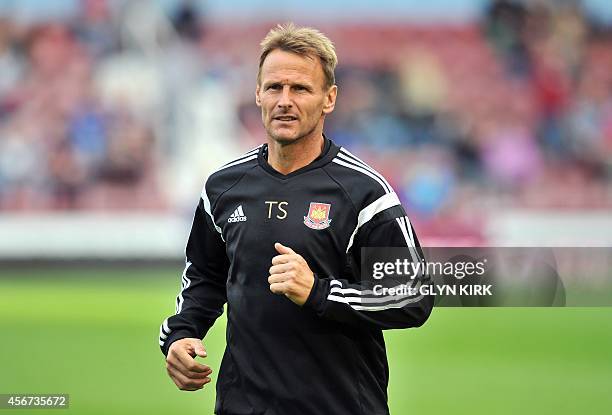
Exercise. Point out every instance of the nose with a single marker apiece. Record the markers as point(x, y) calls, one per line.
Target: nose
point(284, 100)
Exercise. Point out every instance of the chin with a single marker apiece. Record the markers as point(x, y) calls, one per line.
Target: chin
point(284, 138)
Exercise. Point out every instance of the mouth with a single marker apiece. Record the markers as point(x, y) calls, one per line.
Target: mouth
point(285, 118)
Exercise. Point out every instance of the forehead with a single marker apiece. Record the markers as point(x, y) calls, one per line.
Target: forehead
point(282, 65)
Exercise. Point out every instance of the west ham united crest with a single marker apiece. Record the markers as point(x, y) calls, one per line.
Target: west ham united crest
point(318, 215)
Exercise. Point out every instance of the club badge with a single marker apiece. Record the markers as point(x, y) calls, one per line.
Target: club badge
point(318, 216)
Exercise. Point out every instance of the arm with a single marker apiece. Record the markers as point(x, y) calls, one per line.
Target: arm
point(198, 305)
point(203, 291)
point(353, 302)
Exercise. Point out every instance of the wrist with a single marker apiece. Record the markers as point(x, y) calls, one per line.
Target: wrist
point(317, 296)
point(174, 336)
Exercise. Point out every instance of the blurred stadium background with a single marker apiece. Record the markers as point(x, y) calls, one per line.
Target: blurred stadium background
point(491, 119)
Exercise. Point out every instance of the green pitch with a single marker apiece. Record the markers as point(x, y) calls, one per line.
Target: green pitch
point(93, 334)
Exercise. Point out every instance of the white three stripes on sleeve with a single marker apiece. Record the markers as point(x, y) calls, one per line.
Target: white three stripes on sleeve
point(164, 332)
point(251, 155)
point(350, 157)
point(363, 170)
point(406, 228)
point(366, 300)
point(367, 213)
point(185, 283)
point(208, 211)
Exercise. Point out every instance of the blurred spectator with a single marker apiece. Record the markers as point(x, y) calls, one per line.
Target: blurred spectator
point(95, 27)
point(11, 65)
point(188, 22)
point(509, 151)
point(428, 184)
point(505, 27)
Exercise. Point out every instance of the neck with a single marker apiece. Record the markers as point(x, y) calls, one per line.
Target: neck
point(289, 157)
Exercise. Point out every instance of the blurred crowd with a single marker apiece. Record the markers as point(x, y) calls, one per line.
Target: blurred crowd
point(122, 105)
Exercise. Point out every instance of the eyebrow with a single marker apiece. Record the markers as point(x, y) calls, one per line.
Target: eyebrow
point(294, 84)
point(303, 85)
point(270, 83)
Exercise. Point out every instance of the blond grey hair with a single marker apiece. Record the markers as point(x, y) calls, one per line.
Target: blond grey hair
point(304, 41)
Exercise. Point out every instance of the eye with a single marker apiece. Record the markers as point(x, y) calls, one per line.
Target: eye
point(274, 87)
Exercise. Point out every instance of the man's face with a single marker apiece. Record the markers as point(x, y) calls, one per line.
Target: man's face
point(292, 95)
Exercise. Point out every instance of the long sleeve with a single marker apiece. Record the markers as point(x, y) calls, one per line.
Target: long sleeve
point(203, 283)
point(355, 303)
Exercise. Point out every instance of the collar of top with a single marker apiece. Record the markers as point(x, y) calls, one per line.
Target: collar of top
point(329, 152)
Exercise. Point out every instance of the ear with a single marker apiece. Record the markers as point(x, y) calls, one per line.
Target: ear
point(330, 99)
point(257, 98)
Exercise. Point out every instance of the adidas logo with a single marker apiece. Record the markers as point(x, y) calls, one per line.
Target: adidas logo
point(237, 216)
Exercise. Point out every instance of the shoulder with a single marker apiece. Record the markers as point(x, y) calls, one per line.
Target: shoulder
point(360, 181)
point(228, 175)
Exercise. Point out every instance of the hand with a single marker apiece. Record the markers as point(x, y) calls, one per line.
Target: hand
point(182, 367)
point(290, 275)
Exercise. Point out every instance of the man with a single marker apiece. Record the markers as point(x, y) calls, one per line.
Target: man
point(277, 235)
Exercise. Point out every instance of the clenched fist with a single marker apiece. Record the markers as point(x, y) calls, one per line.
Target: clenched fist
point(182, 367)
point(290, 275)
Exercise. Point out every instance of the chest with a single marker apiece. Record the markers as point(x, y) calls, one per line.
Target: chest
point(310, 213)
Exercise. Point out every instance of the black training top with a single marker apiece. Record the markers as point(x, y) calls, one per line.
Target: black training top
point(328, 356)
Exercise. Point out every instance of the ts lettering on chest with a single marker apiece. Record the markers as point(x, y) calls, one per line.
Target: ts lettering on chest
point(276, 207)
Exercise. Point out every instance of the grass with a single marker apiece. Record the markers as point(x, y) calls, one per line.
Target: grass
point(93, 334)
